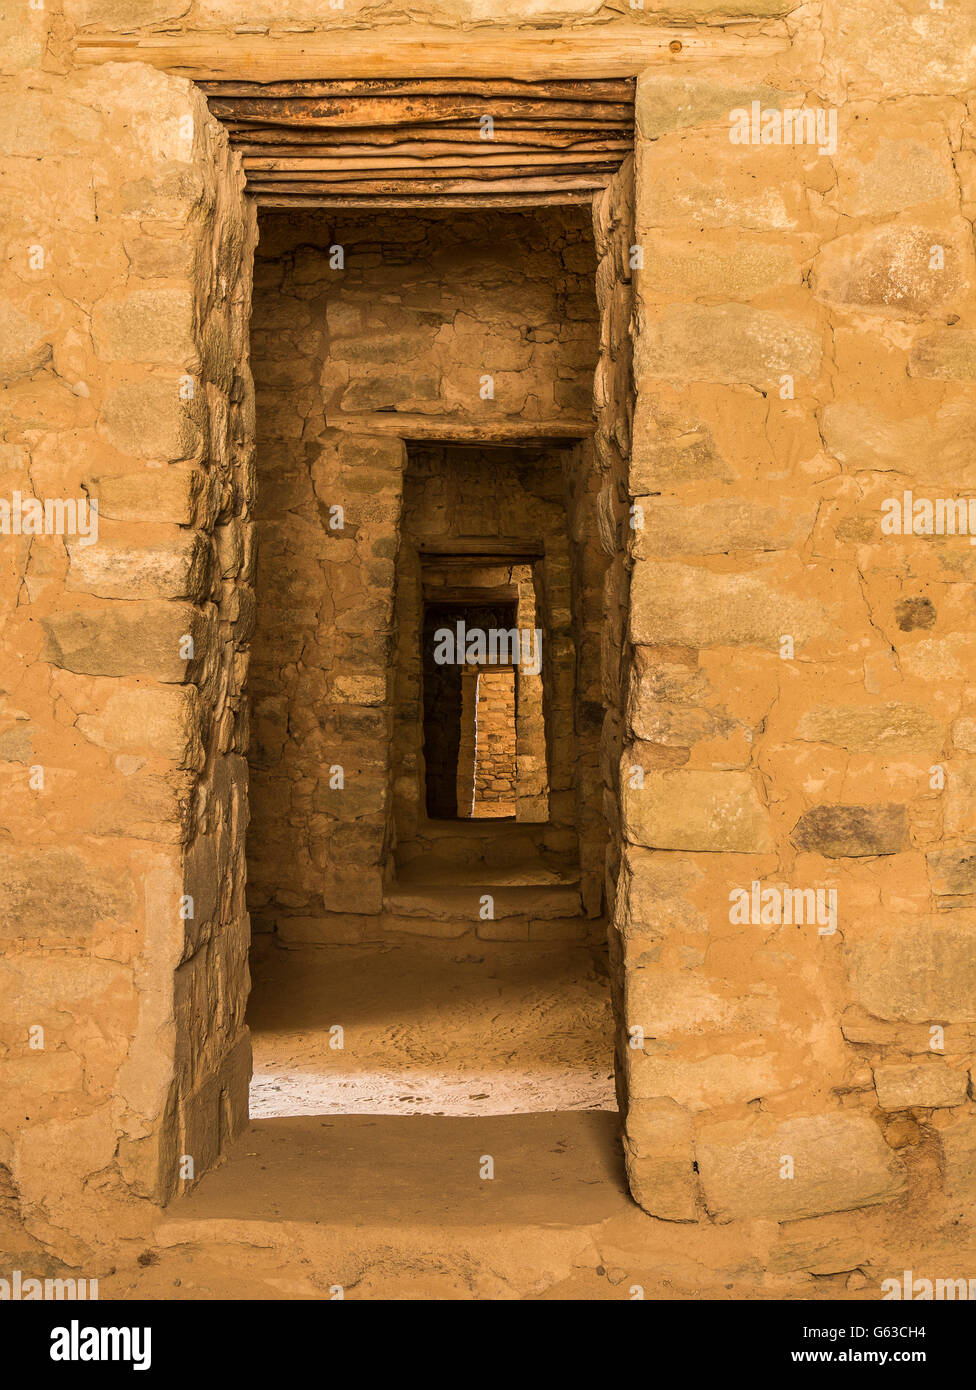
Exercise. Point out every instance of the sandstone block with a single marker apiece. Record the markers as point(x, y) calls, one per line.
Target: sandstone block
point(660, 1159)
point(873, 728)
point(840, 832)
point(129, 639)
point(930, 1085)
point(148, 420)
point(919, 969)
point(726, 344)
point(669, 101)
point(958, 1146)
point(154, 326)
point(691, 810)
point(948, 354)
point(889, 269)
point(58, 892)
point(696, 607)
point(839, 1161)
point(156, 721)
point(179, 568)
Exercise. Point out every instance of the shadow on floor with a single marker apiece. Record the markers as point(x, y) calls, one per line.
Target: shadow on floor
point(382, 1170)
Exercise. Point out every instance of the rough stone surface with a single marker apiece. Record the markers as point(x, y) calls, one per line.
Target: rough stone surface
point(784, 346)
point(838, 1162)
point(840, 832)
point(900, 1088)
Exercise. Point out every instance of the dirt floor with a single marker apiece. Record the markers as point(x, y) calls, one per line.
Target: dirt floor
point(462, 1144)
point(430, 1029)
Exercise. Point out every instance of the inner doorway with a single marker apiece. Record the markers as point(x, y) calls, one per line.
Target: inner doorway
point(426, 889)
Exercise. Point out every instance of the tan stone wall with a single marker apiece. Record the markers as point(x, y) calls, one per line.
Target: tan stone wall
point(507, 497)
point(495, 768)
point(126, 301)
point(760, 519)
point(797, 706)
point(414, 315)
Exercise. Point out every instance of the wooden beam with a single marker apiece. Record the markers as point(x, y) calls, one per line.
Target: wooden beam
point(356, 166)
point(408, 110)
point(519, 133)
point(457, 429)
point(599, 90)
point(465, 181)
point(443, 552)
point(543, 144)
point(411, 50)
point(299, 202)
point(548, 183)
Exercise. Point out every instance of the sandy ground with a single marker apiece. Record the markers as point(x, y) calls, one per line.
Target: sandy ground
point(430, 1029)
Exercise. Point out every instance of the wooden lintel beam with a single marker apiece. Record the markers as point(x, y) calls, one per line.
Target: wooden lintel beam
point(300, 202)
point(520, 132)
point(294, 155)
point(470, 179)
point(384, 111)
point(606, 90)
point(452, 428)
point(357, 166)
point(609, 50)
point(550, 183)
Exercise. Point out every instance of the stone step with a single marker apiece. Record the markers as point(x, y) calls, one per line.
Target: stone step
point(463, 903)
point(408, 1207)
point(513, 872)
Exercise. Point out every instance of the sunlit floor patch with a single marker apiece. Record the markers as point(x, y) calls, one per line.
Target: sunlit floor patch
point(429, 1029)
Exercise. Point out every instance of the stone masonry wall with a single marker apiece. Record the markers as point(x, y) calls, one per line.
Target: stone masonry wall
point(507, 497)
point(122, 728)
point(388, 314)
point(798, 695)
point(495, 767)
point(788, 684)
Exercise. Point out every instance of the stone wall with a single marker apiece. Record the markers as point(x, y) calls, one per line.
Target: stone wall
point(495, 765)
point(122, 727)
point(787, 683)
point(480, 498)
point(355, 316)
point(797, 696)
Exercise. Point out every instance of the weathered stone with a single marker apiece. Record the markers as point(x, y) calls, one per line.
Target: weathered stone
point(672, 101)
point(948, 354)
point(147, 326)
point(930, 1085)
point(160, 723)
point(694, 810)
point(660, 1160)
point(149, 420)
point(959, 818)
point(899, 174)
point(24, 346)
point(60, 890)
point(130, 639)
point(177, 495)
point(839, 1162)
point(890, 269)
point(952, 871)
point(723, 265)
point(839, 832)
point(862, 437)
point(697, 607)
point(958, 1146)
point(873, 728)
point(716, 528)
point(915, 614)
point(726, 344)
point(920, 969)
point(181, 568)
